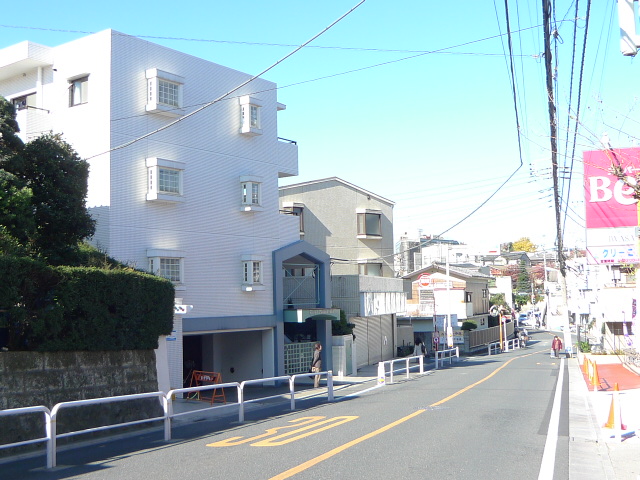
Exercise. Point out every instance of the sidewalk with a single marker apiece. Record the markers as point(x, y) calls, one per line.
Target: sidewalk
point(258, 395)
point(594, 451)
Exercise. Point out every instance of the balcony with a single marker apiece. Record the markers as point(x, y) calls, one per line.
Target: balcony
point(287, 155)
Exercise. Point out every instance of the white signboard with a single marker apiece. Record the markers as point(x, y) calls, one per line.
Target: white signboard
point(612, 245)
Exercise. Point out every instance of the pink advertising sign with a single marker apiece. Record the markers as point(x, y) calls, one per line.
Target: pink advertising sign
point(609, 202)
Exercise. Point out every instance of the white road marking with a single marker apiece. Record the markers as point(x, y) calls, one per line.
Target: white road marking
point(549, 456)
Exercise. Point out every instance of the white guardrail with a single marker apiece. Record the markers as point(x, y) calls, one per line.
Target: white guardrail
point(448, 353)
point(512, 344)
point(494, 347)
point(166, 401)
point(382, 368)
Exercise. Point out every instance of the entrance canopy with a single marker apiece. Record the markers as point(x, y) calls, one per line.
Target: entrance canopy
point(300, 315)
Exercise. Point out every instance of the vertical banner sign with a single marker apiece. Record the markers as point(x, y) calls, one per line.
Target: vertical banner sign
point(610, 207)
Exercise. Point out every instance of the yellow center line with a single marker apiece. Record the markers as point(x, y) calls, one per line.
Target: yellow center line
point(314, 461)
point(325, 456)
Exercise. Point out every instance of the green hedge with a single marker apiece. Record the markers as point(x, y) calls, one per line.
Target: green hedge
point(45, 308)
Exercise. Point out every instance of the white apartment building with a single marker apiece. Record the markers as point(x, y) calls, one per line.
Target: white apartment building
point(355, 227)
point(187, 192)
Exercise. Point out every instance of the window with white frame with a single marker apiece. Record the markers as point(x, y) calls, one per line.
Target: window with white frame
point(78, 90)
point(370, 269)
point(24, 102)
point(252, 273)
point(369, 223)
point(164, 92)
point(467, 297)
point(250, 193)
point(250, 121)
point(167, 263)
point(164, 180)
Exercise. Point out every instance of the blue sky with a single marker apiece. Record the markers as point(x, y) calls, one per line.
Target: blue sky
point(433, 132)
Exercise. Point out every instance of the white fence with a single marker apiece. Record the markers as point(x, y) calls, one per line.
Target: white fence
point(448, 353)
point(166, 401)
point(382, 368)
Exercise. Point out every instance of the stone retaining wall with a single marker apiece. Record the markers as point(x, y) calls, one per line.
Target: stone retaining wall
point(48, 378)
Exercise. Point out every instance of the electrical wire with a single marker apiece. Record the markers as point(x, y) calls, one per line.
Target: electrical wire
point(235, 89)
point(582, 62)
point(266, 44)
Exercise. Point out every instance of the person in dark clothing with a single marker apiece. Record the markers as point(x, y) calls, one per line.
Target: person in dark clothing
point(316, 364)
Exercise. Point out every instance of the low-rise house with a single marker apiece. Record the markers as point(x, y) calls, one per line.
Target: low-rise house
point(355, 227)
point(432, 296)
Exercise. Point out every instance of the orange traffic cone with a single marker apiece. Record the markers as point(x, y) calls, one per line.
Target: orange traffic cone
point(585, 366)
point(611, 423)
point(596, 379)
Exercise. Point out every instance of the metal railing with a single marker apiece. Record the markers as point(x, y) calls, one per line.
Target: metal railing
point(448, 353)
point(27, 410)
point(495, 346)
point(511, 344)
point(166, 402)
point(172, 393)
point(382, 369)
point(53, 436)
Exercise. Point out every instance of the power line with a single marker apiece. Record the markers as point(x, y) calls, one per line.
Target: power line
point(584, 48)
point(235, 89)
point(266, 44)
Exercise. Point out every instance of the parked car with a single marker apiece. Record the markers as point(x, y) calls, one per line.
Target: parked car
point(525, 321)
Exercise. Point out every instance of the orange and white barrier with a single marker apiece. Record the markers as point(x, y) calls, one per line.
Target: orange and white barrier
point(615, 414)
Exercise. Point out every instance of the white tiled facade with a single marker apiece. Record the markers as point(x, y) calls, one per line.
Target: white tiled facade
point(206, 225)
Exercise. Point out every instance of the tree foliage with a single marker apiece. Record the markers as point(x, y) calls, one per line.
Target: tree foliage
point(42, 202)
point(58, 293)
point(523, 245)
point(497, 299)
point(10, 143)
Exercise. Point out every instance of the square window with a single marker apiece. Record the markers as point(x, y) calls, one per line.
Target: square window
point(170, 269)
point(252, 275)
point(250, 193)
point(164, 180)
point(164, 92)
point(369, 224)
point(167, 267)
point(168, 264)
point(370, 269)
point(253, 122)
point(168, 93)
point(24, 102)
point(250, 122)
point(168, 180)
point(78, 91)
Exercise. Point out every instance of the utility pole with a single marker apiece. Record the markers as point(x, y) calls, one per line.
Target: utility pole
point(553, 130)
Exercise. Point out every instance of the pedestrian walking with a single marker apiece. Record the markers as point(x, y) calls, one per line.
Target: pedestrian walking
point(418, 348)
point(556, 346)
point(316, 364)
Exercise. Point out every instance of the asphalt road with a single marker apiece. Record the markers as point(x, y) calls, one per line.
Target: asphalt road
point(484, 417)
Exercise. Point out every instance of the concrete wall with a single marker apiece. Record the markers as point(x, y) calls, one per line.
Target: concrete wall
point(35, 378)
